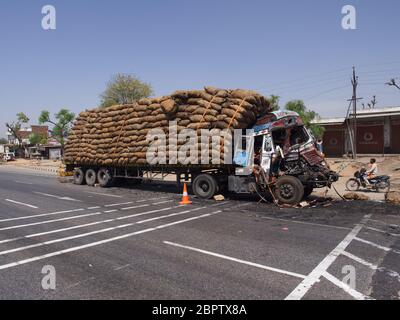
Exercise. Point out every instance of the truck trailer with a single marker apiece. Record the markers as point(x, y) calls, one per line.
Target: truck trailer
point(276, 158)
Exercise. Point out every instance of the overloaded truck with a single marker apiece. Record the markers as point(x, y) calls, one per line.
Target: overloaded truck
point(275, 155)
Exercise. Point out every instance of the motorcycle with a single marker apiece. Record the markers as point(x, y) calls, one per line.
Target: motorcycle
point(378, 184)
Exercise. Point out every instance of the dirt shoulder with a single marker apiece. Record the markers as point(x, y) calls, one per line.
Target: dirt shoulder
point(347, 167)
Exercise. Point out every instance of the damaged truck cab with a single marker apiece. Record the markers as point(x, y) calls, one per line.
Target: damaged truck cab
point(278, 159)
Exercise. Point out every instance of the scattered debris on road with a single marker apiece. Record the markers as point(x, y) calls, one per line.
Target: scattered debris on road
point(356, 196)
point(393, 197)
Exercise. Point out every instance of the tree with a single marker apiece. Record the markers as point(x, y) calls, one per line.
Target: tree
point(3, 141)
point(15, 127)
point(61, 125)
point(124, 89)
point(37, 138)
point(274, 100)
point(393, 83)
point(307, 116)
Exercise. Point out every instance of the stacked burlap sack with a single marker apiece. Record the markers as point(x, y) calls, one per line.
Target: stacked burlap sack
point(118, 135)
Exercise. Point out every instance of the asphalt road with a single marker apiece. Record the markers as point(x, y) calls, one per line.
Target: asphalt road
point(138, 243)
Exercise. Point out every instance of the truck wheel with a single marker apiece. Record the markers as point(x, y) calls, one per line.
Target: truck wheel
point(79, 177)
point(308, 190)
point(289, 190)
point(205, 186)
point(105, 178)
point(91, 177)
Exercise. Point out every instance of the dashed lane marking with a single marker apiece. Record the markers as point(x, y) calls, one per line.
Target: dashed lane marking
point(87, 225)
point(68, 211)
point(97, 243)
point(22, 182)
point(22, 204)
point(57, 197)
point(101, 222)
point(78, 236)
point(105, 194)
point(221, 256)
point(41, 215)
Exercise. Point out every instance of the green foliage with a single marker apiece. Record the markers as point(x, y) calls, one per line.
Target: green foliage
point(36, 138)
point(274, 100)
point(15, 126)
point(125, 89)
point(61, 125)
point(308, 116)
point(3, 141)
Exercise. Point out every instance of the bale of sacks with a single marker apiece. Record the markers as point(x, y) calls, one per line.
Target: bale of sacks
point(118, 135)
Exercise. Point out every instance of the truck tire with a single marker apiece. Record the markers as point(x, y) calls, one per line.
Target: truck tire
point(205, 186)
point(308, 190)
point(91, 177)
point(105, 178)
point(79, 177)
point(289, 190)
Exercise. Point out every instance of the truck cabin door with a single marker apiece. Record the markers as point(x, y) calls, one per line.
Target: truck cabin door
point(267, 152)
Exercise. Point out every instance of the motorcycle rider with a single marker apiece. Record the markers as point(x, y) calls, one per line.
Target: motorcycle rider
point(372, 171)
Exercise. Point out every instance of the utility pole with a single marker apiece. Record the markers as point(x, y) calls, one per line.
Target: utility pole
point(354, 82)
point(353, 119)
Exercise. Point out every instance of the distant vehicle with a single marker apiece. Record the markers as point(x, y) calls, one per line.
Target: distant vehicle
point(9, 156)
point(378, 184)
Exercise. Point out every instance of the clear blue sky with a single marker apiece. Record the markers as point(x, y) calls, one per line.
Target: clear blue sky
point(295, 49)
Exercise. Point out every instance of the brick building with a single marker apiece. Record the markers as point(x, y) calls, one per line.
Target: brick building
point(378, 132)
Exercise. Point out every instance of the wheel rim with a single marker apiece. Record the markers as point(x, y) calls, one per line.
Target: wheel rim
point(352, 185)
point(205, 187)
point(287, 191)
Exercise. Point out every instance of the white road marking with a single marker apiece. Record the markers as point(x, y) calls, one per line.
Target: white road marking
point(50, 221)
point(41, 244)
point(122, 267)
point(377, 245)
point(111, 211)
point(41, 215)
point(359, 260)
point(91, 224)
point(151, 199)
point(301, 290)
point(22, 182)
point(97, 243)
point(140, 206)
point(105, 194)
point(22, 204)
point(383, 231)
point(372, 266)
point(384, 223)
point(256, 265)
point(58, 197)
point(122, 204)
point(354, 293)
point(92, 208)
point(162, 202)
point(307, 223)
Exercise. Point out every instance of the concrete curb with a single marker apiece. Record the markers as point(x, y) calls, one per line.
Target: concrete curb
point(42, 169)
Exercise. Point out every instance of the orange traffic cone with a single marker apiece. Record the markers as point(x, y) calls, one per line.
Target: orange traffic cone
point(185, 198)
